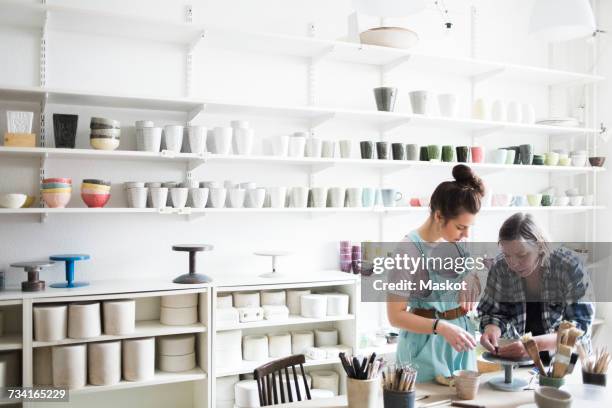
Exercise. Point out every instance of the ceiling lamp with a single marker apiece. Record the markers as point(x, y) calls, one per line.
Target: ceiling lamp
point(562, 20)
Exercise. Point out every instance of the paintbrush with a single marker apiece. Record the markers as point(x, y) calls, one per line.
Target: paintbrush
point(562, 360)
point(533, 351)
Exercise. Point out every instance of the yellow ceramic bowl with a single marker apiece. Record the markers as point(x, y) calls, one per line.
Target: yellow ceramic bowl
point(57, 190)
point(29, 202)
point(97, 187)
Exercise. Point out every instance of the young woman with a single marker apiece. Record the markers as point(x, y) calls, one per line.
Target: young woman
point(435, 333)
point(532, 288)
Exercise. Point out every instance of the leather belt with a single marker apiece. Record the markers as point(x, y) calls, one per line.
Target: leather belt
point(434, 314)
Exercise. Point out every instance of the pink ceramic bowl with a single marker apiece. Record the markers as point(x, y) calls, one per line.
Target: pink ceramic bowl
point(95, 200)
point(56, 200)
point(58, 180)
point(92, 191)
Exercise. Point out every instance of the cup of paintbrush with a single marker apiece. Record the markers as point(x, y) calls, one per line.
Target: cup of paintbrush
point(398, 399)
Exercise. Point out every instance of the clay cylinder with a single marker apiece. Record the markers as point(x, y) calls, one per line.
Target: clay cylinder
point(279, 345)
point(225, 300)
point(255, 348)
point(314, 306)
point(294, 302)
point(104, 362)
point(138, 359)
point(273, 297)
point(228, 351)
point(84, 320)
point(50, 322)
point(43, 367)
point(337, 304)
point(10, 372)
point(178, 345)
point(246, 299)
point(301, 340)
point(180, 301)
point(69, 366)
point(178, 316)
point(326, 337)
point(325, 380)
point(119, 317)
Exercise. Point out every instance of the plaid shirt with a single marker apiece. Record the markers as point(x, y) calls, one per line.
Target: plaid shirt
point(565, 286)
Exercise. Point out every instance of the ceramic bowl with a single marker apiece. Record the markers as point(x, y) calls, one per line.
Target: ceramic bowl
point(576, 201)
point(105, 133)
point(561, 201)
point(104, 144)
point(88, 191)
point(11, 200)
point(29, 202)
point(395, 37)
point(501, 200)
point(97, 181)
point(58, 180)
point(534, 200)
point(570, 192)
point(579, 160)
point(56, 200)
point(104, 123)
point(95, 200)
point(95, 187)
point(550, 397)
point(597, 161)
point(57, 190)
point(46, 186)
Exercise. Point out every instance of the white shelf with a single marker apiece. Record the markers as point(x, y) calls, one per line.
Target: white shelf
point(293, 320)
point(385, 120)
point(247, 367)
point(101, 22)
point(11, 342)
point(148, 328)
point(160, 377)
point(391, 165)
point(379, 350)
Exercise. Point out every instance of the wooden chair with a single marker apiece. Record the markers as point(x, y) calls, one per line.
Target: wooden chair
point(267, 382)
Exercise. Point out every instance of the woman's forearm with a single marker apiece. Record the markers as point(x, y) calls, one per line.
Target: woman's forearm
point(546, 342)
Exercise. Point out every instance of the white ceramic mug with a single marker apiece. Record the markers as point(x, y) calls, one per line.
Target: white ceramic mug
point(514, 112)
point(151, 139)
point(498, 111)
point(197, 138)
point(173, 137)
point(354, 197)
point(499, 156)
point(256, 197)
point(328, 149)
point(179, 196)
point(280, 146)
point(313, 147)
point(236, 196)
point(297, 144)
point(217, 197)
point(447, 105)
point(336, 197)
point(419, 102)
point(277, 196)
point(243, 139)
point(137, 197)
point(199, 197)
point(222, 137)
point(480, 109)
point(318, 196)
point(159, 196)
point(299, 197)
point(346, 149)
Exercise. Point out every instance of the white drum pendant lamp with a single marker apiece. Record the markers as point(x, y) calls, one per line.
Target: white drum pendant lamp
point(562, 20)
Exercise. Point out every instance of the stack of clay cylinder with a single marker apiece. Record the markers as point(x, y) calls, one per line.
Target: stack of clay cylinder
point(317, 344)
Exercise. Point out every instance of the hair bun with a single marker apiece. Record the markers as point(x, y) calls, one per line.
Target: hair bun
point(465, 176)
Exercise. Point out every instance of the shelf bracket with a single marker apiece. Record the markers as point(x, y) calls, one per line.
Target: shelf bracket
point(193, 45)
point(389, 127)
point(43, 52)
point(189, 13)
point(320, 120)
point(486, 75)
point(317, 168)
point(387, 68)
point(195, 113)
point(43, 217)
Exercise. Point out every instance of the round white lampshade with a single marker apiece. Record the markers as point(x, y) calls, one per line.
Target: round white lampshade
point(562, 20)
point(389, 8)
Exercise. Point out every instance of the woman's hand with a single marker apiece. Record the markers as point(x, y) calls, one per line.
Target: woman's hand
point(468, 297)
point(458, 338)
point(490, 336)
point(514, 350)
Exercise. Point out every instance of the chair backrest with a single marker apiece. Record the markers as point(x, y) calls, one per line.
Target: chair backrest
point(270, 381)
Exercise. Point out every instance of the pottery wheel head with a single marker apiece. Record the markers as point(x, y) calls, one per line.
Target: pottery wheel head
point(506, 361)
point(33, 265)
point(272, 253)
point(192, 247)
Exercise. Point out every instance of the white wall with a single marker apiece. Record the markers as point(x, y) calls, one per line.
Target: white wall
point(130, 246)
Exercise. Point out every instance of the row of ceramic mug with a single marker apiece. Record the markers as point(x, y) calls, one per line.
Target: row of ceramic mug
point(220, 140)
point(215, 195)
point(535, 200)
point(501, 111)
point(421, 101)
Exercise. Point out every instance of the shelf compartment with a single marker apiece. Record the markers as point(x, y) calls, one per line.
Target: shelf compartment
point(293, 320)
point(147, 328)
point(11, 341)
point(160, 377)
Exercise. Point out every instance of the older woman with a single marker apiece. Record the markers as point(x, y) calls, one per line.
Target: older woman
point(532, 288)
